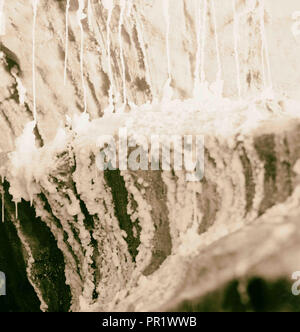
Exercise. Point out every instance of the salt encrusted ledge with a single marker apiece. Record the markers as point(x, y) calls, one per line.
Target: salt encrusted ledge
point(128, 239)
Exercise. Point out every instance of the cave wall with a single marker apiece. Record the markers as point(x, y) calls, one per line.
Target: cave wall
point(86, 240)
point(128, 58)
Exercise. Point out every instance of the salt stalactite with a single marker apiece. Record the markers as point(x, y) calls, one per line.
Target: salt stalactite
point(236, 38)
point(34, 5)
point(90, 15)
point(203, 41)
point(16, 210)
point(129, 7)
point(262, 48)
point(2, 18)
point(121, 21)
point(219, 73)
point(167, 19)
point(81, 16)
point(265, 49)
point(143, 48)
point(67, 41)
point(198, 53)
point(167, 90)
point(109, 6)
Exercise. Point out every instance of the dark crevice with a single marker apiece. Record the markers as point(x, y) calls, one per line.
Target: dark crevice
point(38, 136)
point(249, 182)
point(265, 147)
point(93, 92)
point(21, 296)
point(90, 226)
point(8, 122)
point(48, 268)
point(10, 58)
point(162, 241)
point(120, 197)
point(57, 223)
point(259, 295)
point(209, 205)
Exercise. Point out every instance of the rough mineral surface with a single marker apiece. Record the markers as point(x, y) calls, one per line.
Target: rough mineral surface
point(75, 238)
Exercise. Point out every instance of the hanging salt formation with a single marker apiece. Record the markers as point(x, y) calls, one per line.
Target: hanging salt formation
point(199, 74)
point(143, 48)
point(219, 81)
point(198, 53)
point(123, 8)
point(236, 53)
point(16, 208)
point(267, 75)
point(203, 41)
point(34, 4)
point(109, 6)
point(67, 41)
point(2, 18)
point(219, 73)
point(90, 15)
point(129, 7)
point(81, 16)
point(167, 19)
point(167, 93)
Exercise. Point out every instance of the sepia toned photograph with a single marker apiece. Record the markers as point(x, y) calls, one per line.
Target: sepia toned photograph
point(149, 158)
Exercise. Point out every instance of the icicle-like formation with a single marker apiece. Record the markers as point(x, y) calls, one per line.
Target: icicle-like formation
point(2, 18)
point(90, 15)
point(81, 16)
point(109, 6)
point(167, 19)
point(198, 53)
point(16, 210)
point(236, 53)
point(203, 41)
point(264, 48)
point(34, 5)
point(219, 73)
point(67, 41)
point(129, 7)
point(123, 8)
point(143, 48)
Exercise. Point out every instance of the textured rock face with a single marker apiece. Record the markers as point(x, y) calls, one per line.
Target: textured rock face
point(130, 240)
point(139, 63)
point(81, 239)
